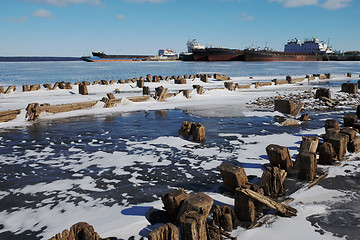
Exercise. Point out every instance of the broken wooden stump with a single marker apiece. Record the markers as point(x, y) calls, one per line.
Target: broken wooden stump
point(139, 98)
point(221, 77)
point(331, 123)
point(297, 109)
point(351, 88)
point(140, 83)
point(204, 78)
point(199, 202)
point(83, 89)
point(186, 93)
point(229, 86)
point(180, 81)
point(172, 202)
point(244, 206)
point(112, 82)
point(284, 106)
point(160, 93)
point(326, 154)
point(323, 92)
point(279, 156)
point(25, 88)
point(304, 117)
point(225, 218)
point(233, 176)
point(104, 82)
point(146, 90)
point(78, 231)
point(349, 120)
point(10, 88)
point(349, 131)
point(309, 144)
point(197, 130)
point(6, 116)
point(272, 181)
point(110, 101)
point(339, 142)
point(354, 145)
point(307, 165)
point(193, 226)
point(167, 231)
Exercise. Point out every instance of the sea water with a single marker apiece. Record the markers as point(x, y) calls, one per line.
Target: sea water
point(55, 168)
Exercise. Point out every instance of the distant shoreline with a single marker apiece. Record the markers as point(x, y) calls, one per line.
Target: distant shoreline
point(38, 59)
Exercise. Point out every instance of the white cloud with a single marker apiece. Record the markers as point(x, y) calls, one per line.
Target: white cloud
point(17, 19)
point(42, 13)
point(64, 2)
point(245, 17)
point(327, 4)
point(120, 17)
point(143, 1)
point(336, 4)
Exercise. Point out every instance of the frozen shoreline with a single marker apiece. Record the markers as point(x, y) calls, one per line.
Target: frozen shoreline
point(124, 220)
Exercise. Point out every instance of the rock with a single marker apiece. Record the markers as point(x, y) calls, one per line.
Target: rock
point(349, 120)
point(193, 226)
point(339, 142)
point(83, 89)
point(323, 92)
point(272, 181)
point(167, 231)
point(326, 154)
point(354, 145)
point(233, 176)
point(284, 106)
point(172, 202)
point(279, 156)
point(306, 162)
point(200, 203)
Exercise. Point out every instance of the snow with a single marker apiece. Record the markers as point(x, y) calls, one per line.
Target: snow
point(125, 220)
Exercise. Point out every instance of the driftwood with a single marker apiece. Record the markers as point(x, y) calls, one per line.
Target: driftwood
point(316, 181)
point(6, 116)
point(139, 99)
point(284, 209)
point(34, 110)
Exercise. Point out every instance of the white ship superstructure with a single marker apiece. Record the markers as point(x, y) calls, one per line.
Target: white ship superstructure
point(309, 46)
point(193, 44)
point(167, 53)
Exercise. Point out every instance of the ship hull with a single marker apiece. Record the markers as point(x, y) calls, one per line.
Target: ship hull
point(273, 56)
point(224, 54)
point(200, 55)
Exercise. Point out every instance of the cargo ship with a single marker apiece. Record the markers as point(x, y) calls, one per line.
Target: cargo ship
point(294, 50)
point(102, 57)
point(267, 55)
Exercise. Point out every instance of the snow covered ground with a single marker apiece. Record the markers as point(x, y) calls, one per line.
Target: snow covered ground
point(48, 207)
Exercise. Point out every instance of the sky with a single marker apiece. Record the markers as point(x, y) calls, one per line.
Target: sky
point(78, 27)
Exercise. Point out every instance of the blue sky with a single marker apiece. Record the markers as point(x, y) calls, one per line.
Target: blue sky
point(77, 27)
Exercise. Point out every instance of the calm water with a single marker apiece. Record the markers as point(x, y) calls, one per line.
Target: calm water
point(20, 73)
point(131, 158)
